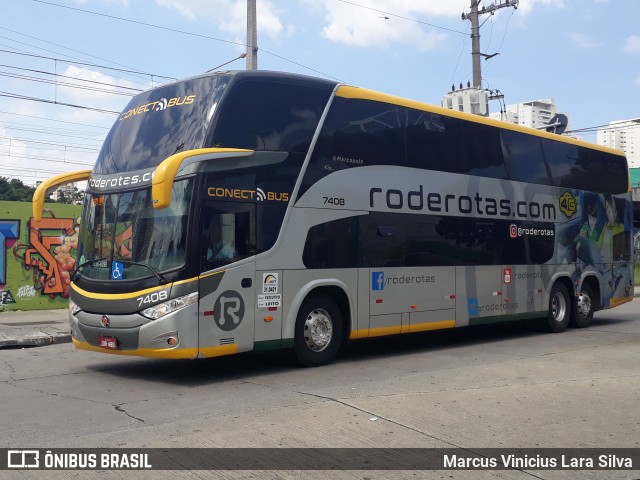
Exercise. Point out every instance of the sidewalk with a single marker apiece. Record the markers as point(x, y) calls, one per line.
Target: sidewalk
point(34, 328)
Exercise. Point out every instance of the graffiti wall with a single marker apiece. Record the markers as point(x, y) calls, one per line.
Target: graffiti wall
point(37, 258)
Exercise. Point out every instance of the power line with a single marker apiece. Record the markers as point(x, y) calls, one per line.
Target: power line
point(58, 134)
point(137, 22)
point(86, 64)
point(67, 147)
point(44, 72)
point(52, 120)
point(62, 84)
point(55, 102)
point(68, 48)
point(624, 125)
point(400, 16)
point(184, 32)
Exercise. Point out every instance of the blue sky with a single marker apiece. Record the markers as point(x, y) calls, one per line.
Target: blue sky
point(583, 53)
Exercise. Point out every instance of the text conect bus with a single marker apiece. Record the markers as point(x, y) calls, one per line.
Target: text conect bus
point(256, 210)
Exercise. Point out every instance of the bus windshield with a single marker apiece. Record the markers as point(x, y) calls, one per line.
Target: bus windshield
point(125, 228)
point(160, 122)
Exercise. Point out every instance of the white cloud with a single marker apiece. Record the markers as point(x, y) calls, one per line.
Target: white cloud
point(584, 41)
point(367, 27)
point(99, 90)
point(526, 6)
point(633, 44)
point(231, 15)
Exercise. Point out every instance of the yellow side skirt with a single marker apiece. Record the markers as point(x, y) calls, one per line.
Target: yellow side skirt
point(173, 353)
point(418, 327)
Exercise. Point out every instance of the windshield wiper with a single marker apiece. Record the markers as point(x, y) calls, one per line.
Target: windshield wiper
point(156, 274)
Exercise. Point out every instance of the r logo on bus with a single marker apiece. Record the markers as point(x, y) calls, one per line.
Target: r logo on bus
point(229, 309)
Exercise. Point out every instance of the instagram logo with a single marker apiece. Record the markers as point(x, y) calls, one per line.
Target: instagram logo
point(513, 231)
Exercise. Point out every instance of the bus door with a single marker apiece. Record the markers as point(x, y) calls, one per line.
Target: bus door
point(227, 282)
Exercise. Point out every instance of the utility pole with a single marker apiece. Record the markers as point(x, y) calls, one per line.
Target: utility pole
point(252, 36)
point(475, 32)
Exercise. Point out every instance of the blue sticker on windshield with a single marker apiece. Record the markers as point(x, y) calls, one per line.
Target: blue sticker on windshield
point(117, 269)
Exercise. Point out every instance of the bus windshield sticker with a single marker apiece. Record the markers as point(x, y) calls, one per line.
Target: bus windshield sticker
point(117, 269)
point(158, 106)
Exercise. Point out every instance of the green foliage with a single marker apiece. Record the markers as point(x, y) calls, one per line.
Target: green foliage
point(15, 190)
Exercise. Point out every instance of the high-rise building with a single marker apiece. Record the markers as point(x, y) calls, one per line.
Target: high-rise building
point(535, 114)
point(623, 135)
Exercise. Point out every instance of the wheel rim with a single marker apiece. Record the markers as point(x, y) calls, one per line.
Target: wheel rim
point(584, 304)
point(558, 307)
point(318, 330)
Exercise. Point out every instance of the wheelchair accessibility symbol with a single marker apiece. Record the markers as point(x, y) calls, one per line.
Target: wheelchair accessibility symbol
point(117, 268)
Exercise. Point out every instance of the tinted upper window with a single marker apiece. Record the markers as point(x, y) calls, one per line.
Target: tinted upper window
point(359, 133)
point(482, 151)
point(575, 167)
point(523, 157)
point(159, 123)
point(369, 133)
point(434, 141)
point(276, 115)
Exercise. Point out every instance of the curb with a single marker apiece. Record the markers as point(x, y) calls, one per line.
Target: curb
point(34, 339)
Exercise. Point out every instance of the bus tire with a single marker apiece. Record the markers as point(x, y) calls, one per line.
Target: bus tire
point(318, 331)
point(559, 308)
point(583, 307)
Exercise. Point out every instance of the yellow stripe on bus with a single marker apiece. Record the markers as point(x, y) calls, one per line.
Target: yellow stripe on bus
point(116, 296)
point(125, 296)
point(173, 353)
point(615, 302)
point(170, 353)
point(394, 330)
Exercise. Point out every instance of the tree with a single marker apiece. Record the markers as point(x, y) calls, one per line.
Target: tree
point(15, 190)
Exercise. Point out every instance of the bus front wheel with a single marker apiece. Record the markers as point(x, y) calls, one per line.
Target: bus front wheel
point(583, 307)
point(318, 331)
point(559, 308)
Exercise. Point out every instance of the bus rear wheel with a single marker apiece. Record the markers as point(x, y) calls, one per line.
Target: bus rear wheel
point(583, 307)
point(318, 331)
point(559, 308)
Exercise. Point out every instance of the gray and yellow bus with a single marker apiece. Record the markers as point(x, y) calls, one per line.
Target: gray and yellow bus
point(255, 210)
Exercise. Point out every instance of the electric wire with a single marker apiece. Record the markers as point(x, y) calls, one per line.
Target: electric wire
point(52, 120)
point(55, 102)
point(183, 32)
point(141, 75)
point(398, 16)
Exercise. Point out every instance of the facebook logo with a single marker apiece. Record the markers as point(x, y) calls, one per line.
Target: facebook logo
point(377, 280)
point(473, 306)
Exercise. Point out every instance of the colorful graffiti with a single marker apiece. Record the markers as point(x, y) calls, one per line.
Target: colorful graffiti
point(36, 262)
point(9, 233)
point(52, 243)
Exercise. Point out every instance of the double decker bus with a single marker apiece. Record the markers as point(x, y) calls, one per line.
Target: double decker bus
point(255, 210)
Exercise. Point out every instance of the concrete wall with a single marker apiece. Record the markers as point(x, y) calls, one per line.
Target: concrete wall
point(36, 258)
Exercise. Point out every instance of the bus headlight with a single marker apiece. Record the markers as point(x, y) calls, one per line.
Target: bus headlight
point(73, 308)
point(170, 306)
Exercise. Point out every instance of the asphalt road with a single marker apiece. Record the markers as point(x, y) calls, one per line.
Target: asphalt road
point(496, 386)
